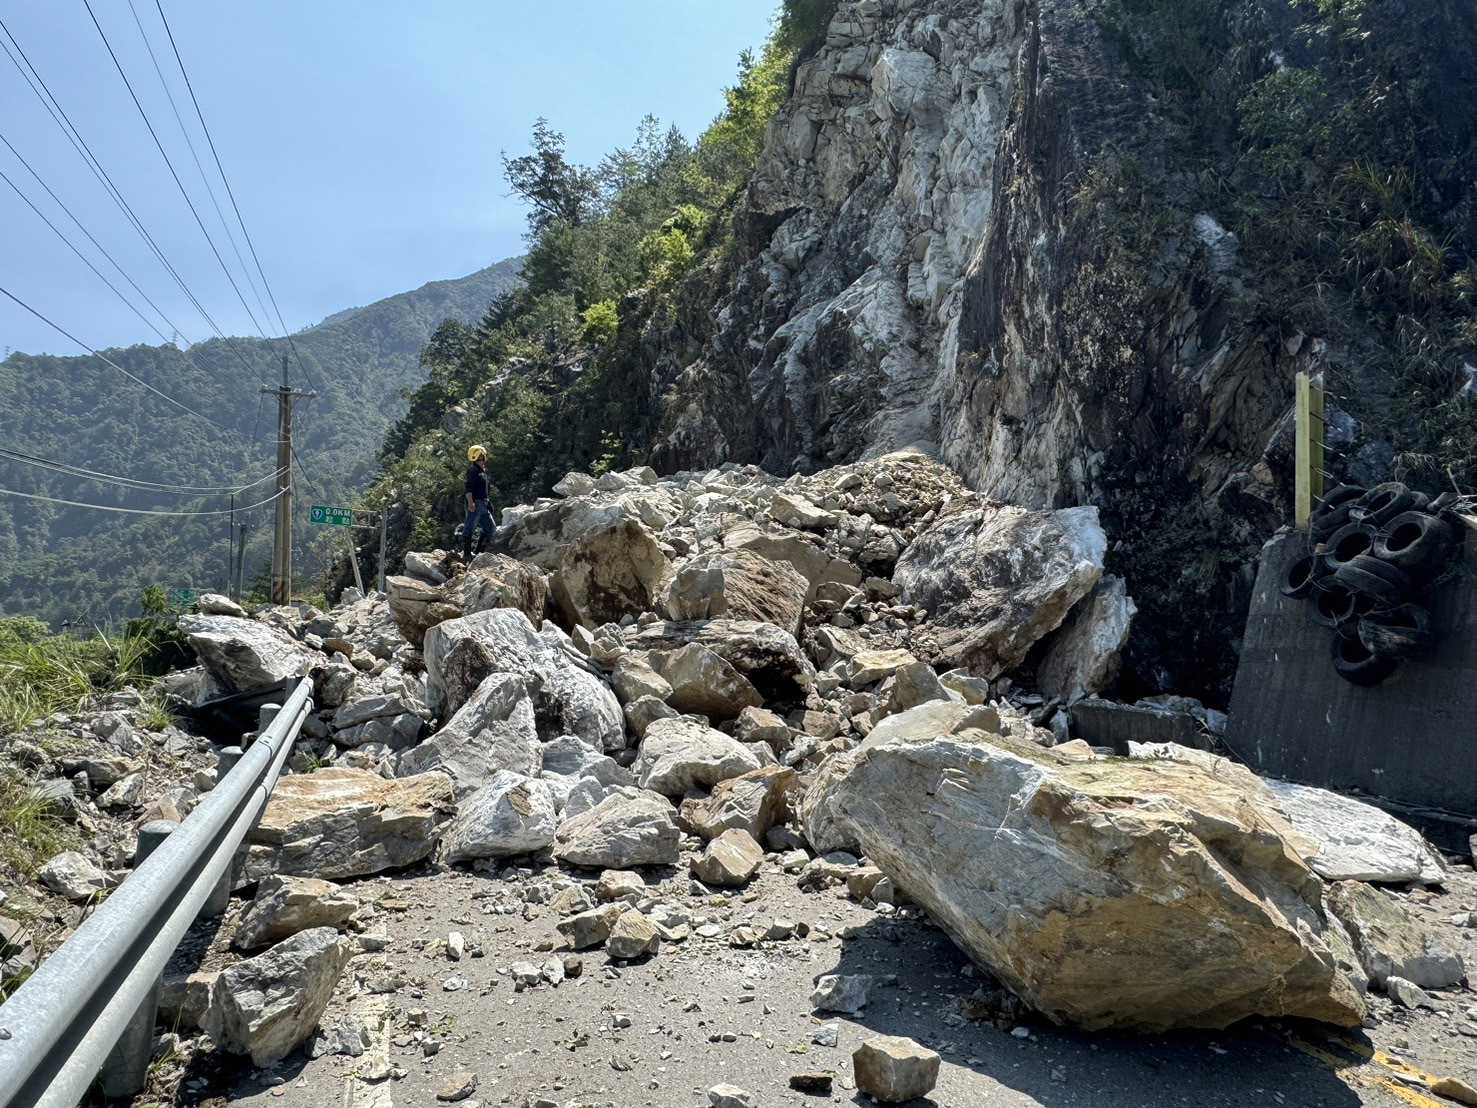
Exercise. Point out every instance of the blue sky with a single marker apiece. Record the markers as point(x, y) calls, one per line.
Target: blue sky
point(362, 140)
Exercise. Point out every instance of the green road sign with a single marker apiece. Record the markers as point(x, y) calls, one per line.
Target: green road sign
point(331, 517)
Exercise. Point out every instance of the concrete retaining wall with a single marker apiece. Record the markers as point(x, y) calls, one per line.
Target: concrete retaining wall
point(1411, 740)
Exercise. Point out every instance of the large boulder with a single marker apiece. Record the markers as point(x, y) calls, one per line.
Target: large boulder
point(1132, 894)
point(1082, 657)
point(738, 584)
point(569, 757)
point(768, 656)
point(265, 1006)
point(801, 552)
point(241, 654)
point(539, 533)
point(679, 756)
point(389, 718)
point(337, 822)
point(283, 906)
point(568, 699)
point(1389, 942)
point(511, 814)
point(1354, 841)
point(932, 719)
point(995, 579)
point(752, 802)
point(630, 827)
point(825, 827)
point(494, 730)
point(609, 573)
point(497, 581)
point(417, 606)
point(701, 682)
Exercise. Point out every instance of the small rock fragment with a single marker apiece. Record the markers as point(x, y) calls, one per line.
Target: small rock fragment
point(816, 1084)
point(731, 1096)
point(846, 994)
point(458, 1086)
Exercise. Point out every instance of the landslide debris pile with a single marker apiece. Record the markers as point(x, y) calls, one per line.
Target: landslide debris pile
point(655, 690)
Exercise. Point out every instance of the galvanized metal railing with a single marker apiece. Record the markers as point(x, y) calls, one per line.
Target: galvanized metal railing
point(88, 1011)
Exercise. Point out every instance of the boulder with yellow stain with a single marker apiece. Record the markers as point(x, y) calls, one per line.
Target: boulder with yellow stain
point(1108, 894)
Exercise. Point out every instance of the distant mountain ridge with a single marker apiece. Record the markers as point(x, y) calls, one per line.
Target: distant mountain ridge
point(59, 562)
point(450, 298)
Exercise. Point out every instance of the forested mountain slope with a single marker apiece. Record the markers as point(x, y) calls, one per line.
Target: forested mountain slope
point(63, 563)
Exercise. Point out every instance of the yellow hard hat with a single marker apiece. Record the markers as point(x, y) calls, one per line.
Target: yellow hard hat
point(476, 453)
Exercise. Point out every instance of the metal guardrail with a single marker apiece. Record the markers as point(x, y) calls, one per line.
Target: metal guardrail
point(90, 1007)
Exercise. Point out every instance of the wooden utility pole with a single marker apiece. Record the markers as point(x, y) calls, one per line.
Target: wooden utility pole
point(282, 536)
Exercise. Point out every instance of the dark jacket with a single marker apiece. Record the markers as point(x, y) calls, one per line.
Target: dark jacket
point(476, 482)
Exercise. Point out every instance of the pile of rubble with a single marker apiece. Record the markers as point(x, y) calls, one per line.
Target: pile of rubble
point(728, 673)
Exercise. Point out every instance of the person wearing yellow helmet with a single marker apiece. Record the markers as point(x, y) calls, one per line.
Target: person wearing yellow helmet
point(477, 497)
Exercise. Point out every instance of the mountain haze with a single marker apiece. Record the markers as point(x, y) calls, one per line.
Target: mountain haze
point(61, 563)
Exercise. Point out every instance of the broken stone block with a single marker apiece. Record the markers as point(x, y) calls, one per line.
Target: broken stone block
point(892, 1069)
point(265, 1006)
point(730, 860)
point(633, 936)
point(285, 905)
point(1390, 943)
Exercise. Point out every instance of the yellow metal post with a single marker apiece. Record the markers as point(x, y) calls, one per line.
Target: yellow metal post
point(1309, 454)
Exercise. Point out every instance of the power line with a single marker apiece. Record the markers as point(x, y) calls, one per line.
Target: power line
point(195, 157)
point(139, 380)
point(170, 165)
point(230, 192)
point(91, 237)
point(137, 511)
point(59, 116)
point(140, 484)
point(57, 231)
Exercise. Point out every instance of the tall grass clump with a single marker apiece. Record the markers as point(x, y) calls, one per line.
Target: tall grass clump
point(42, 673)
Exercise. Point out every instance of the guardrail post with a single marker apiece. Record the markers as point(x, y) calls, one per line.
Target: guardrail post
point(220, 897)
point(126, 1070)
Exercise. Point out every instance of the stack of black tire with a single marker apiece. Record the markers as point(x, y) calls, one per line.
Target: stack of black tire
point(1375, 554)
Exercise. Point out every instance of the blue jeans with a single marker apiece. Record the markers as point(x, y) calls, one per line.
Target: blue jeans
point(478, 516)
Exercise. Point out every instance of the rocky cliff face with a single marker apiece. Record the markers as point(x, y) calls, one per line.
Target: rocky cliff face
point(933, 229)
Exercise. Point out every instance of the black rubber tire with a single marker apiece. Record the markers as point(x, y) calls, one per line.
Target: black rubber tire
point(1340, 494)
point(1417, 542)
point(1367, 574)
point(1333, 605)
point(1325, 523)
point(1441, 503)
point(1347, 543)
point(1402, 632)
point(1353, 662)
point(1385, 502)
point(1303, 575)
